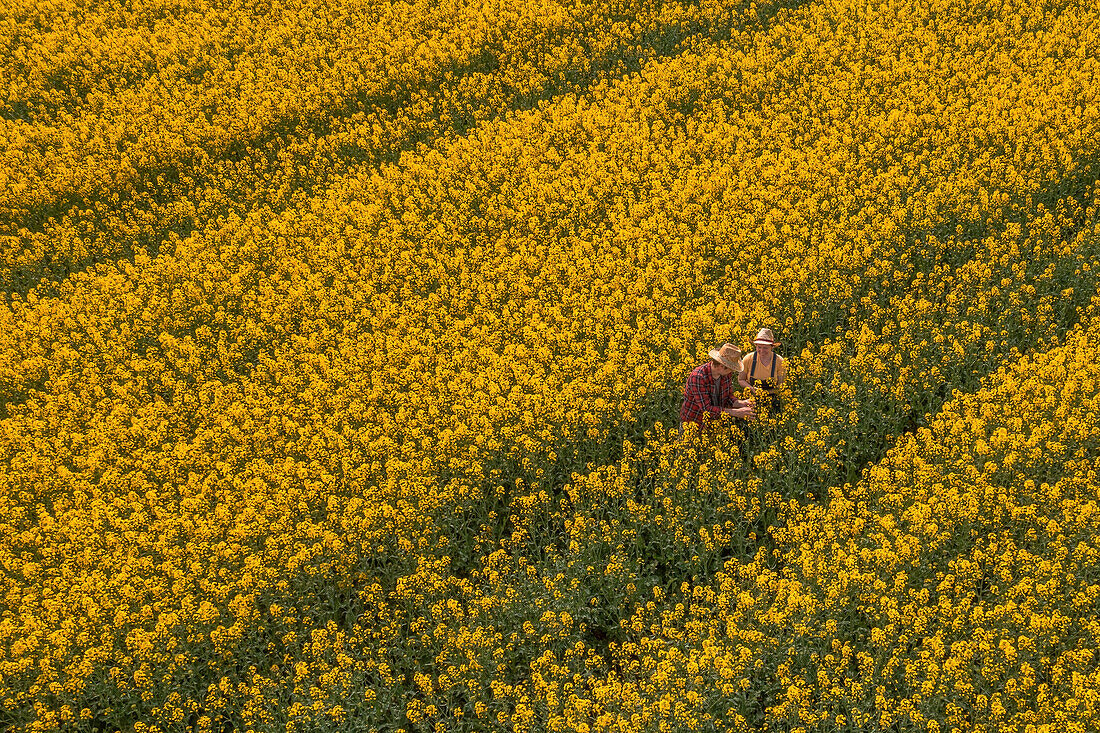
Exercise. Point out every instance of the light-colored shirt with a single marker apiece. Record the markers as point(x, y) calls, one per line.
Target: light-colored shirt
point(764, 369)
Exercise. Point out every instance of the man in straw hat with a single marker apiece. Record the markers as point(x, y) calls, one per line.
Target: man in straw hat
point(708, 393)
point(763, 370)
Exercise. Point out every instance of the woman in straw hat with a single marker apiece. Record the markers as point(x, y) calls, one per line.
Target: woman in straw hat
point(763, 370)
point(708, 393)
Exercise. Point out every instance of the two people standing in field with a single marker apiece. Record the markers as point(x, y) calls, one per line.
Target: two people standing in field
point(709, 391)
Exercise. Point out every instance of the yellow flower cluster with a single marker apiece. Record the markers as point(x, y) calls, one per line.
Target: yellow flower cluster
point(362, 432)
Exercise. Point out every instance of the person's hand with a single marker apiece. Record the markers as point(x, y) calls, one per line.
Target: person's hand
point(746, 411)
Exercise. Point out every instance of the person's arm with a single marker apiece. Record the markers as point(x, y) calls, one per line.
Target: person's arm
point(743, 375)
point(733, 406)
point(697, 397)
point(780, 370)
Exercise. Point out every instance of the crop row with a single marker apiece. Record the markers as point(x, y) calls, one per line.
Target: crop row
point(129, 124)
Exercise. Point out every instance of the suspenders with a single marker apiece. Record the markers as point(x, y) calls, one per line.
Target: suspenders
point(752, 372)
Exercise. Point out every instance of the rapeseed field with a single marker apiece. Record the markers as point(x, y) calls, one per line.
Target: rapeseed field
point(342, 346)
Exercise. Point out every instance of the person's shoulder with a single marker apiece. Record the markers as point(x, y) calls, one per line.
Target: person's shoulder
point(701, 372)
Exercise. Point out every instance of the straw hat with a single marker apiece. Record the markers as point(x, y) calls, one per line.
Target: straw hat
point(728, 356)
point(765, 336)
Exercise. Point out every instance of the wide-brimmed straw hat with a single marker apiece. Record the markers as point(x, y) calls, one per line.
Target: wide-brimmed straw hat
point(765, 336)
point(728, 356)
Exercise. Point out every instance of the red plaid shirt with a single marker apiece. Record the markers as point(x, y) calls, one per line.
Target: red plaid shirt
point(700, 394)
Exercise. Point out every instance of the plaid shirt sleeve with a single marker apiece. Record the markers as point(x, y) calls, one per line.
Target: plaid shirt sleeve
point(697, 398)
